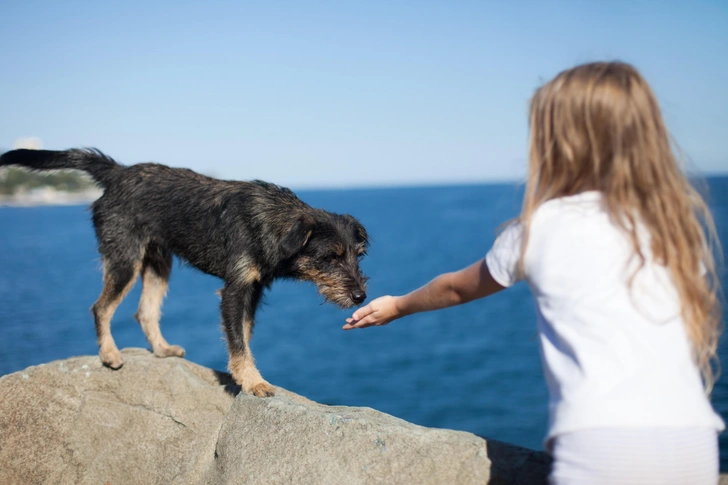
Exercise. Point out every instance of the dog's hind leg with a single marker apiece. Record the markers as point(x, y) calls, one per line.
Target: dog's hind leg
point(238, 312)
point(156, 268)
point(119, 277)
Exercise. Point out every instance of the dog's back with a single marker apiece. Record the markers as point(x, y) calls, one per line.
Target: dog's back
point(196, 217)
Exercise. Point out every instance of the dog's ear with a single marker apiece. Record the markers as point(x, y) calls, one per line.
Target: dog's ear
point(362, 238)
point(297, 237)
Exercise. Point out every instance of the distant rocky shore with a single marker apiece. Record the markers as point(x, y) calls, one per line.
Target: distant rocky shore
point(24, 188)
point(49, 196)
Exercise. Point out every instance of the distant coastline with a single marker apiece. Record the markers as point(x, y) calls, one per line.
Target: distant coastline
point(44, 196)
point(22, 188)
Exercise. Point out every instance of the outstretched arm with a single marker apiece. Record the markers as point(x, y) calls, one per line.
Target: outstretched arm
point(446, 290)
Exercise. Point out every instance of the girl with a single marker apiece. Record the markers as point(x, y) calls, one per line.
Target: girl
point(615, 245)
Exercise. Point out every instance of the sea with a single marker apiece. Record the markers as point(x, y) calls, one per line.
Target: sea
point(474, 367)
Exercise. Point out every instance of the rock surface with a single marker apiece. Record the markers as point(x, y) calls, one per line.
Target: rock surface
point(159, 421)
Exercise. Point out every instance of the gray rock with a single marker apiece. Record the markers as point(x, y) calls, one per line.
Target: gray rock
point(172, 421)
point(74, 421)
point(298, 441)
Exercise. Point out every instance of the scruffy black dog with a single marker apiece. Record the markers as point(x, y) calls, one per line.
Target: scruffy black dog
point(246, 233)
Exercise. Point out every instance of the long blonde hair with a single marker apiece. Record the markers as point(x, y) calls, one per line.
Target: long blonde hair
point(598, 127)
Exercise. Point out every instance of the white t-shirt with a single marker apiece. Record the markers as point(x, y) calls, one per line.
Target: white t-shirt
point(612, 357)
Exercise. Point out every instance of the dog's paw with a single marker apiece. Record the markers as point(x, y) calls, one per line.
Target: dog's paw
point(112, 359)
point(169, 351)
point(262, 389)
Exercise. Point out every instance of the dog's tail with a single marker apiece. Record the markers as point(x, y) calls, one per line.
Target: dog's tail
point(99, 166)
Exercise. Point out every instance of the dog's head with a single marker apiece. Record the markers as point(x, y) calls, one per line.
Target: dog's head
point(326, 248)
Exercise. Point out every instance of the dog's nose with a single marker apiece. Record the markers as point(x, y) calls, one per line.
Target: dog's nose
point(358, 296)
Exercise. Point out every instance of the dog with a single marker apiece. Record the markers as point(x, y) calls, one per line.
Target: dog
point(246, 233)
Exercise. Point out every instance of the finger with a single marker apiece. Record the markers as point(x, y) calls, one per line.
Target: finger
point(365, 322)
point(351, 325)
point(362, 312)
point(354, 325)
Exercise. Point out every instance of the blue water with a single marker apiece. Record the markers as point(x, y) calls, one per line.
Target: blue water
point(474, 368)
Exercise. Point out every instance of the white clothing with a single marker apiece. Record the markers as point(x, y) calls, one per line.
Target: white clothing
point(612, 357)
point(632, 456)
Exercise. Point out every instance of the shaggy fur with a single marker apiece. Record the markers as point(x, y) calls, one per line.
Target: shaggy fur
point(245, 233)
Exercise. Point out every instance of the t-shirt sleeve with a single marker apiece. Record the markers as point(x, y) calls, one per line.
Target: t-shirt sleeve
point(502, 259)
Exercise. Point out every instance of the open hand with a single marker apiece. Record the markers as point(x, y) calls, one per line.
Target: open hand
point(378, 312)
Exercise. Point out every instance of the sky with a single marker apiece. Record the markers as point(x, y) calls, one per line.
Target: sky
point(319, 94)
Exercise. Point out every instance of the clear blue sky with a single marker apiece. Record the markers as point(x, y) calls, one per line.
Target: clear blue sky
point(342, 93)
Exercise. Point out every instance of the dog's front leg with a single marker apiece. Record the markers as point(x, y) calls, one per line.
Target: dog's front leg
point(238, 312)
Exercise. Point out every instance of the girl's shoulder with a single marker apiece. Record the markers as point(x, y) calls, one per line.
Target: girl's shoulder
point(582, 218)
point(585, 205)
point(555, 213)
point(590, 200)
